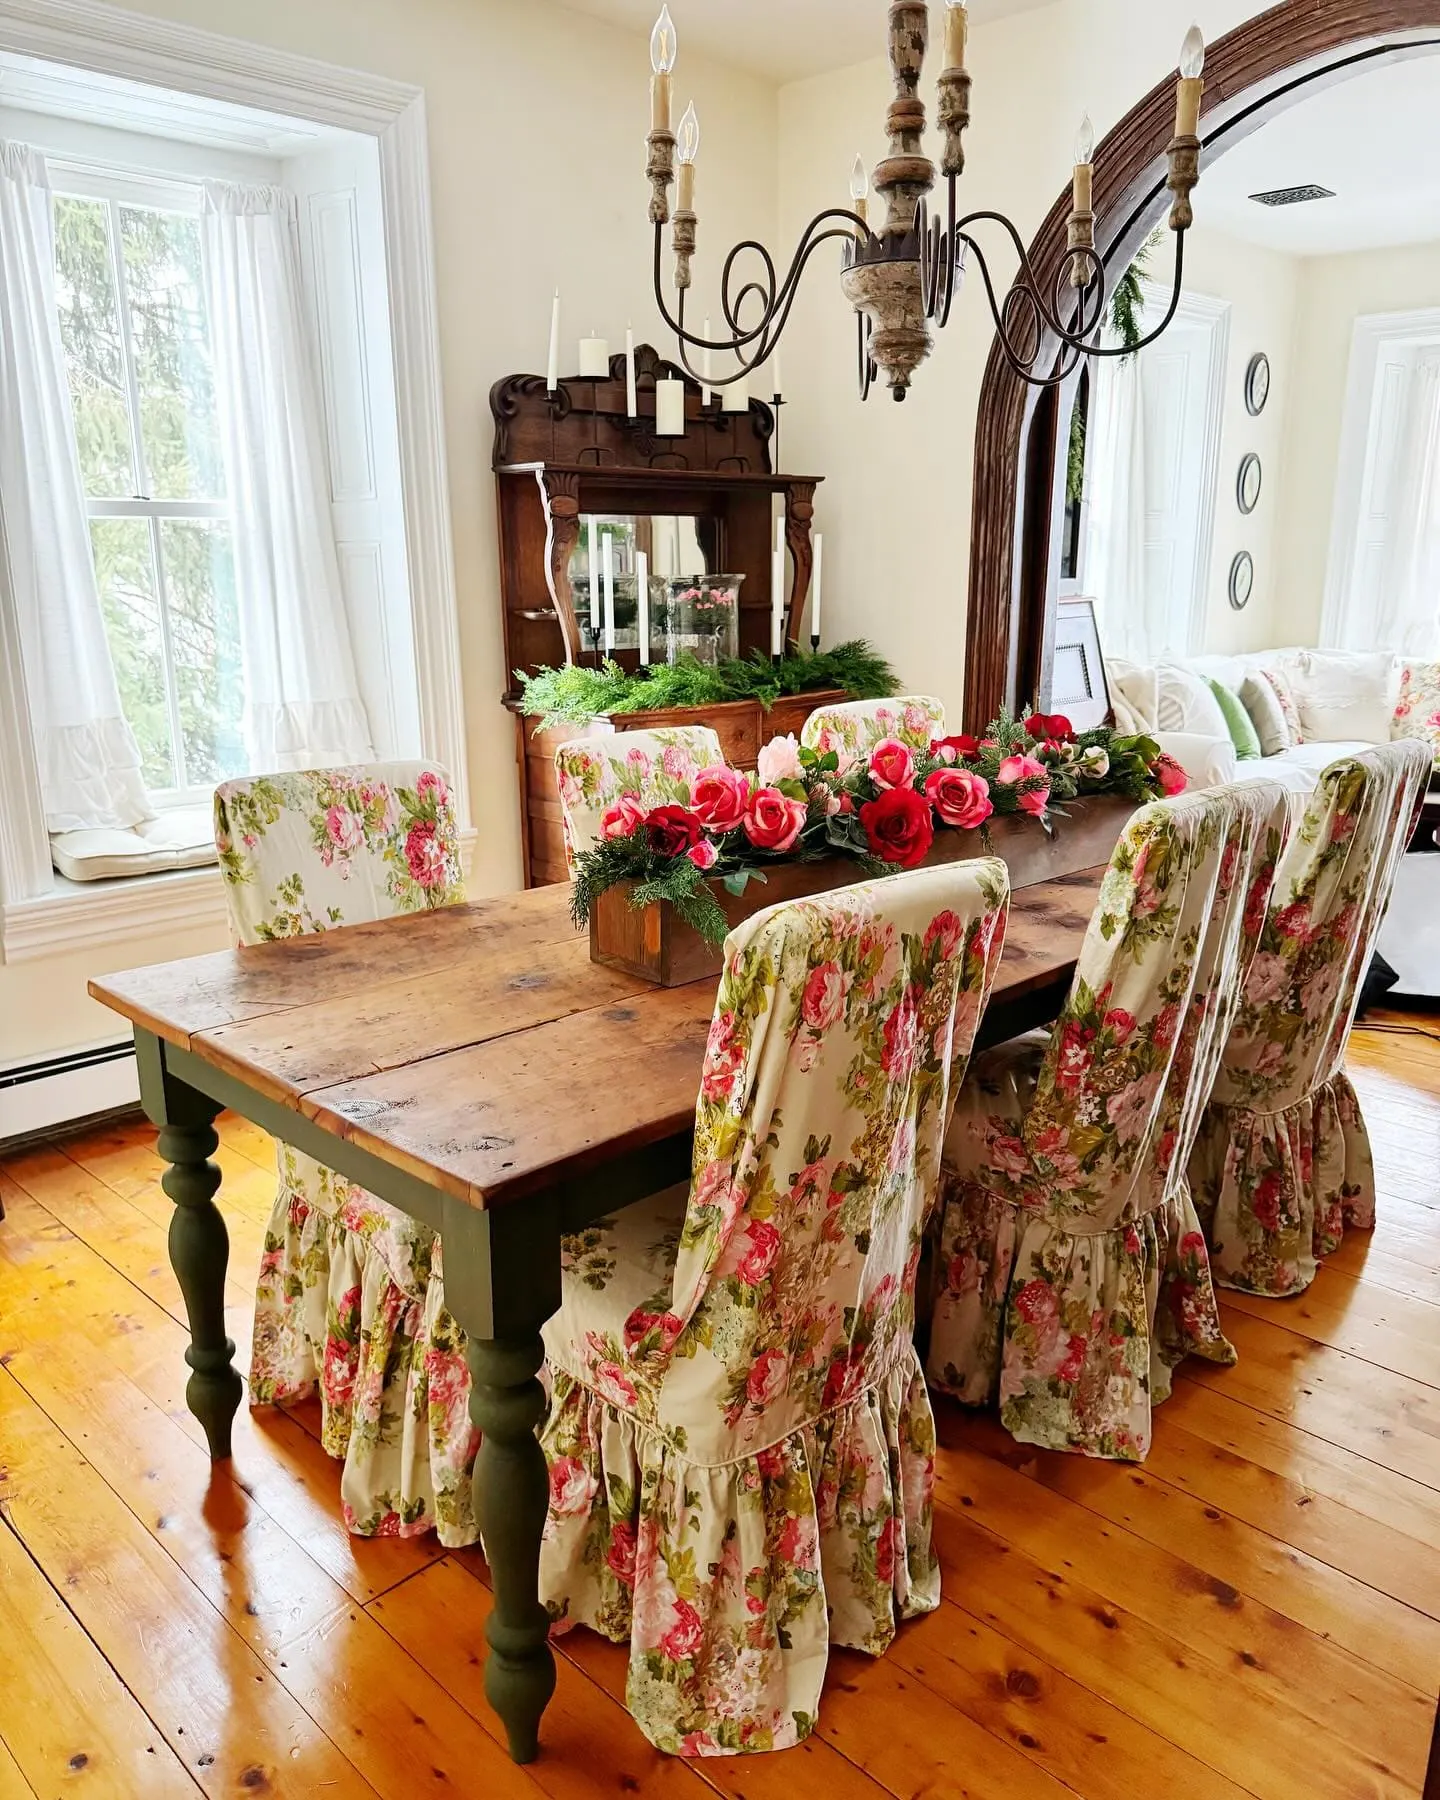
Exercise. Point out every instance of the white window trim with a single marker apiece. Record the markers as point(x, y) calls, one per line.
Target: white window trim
point(90, 35)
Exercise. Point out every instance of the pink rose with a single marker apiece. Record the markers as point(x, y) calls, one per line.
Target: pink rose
point(572, 1487)
point(891, 764)
point(1037, 1303)
point(723, 1057)
point(961, 798)
point(1120, 1022)
point(704, 855)
point(885, 1552)
point(1015, 769)
point(759, 1253)
point(342, 828)
point(620, 1557)
point(719, 796)
point(677, 762)
point(623, 818)
point(947, 929)
point(902, 1040)
point(767, 1376)
point(612, 1384)
point(779, 760)
point(425, 854)
point(1034, 802)
point(772, 822)
point(686, 1636)
point(431, 782)
point(824, 997)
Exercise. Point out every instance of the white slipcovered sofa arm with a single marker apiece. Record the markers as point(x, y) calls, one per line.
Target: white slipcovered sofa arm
point(1208, 761)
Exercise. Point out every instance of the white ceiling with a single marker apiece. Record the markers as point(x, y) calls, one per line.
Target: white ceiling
point(61, 92)
point(1371, 140)
point(785, 39)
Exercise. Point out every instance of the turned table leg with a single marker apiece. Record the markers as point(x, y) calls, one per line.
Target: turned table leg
point(199, 1242)
point(502, 1281)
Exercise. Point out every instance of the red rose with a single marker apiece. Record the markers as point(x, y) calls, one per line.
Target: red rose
point(960, 798)
point(891, 764)
point(954, 749)
point(718, 795)
point(1054, 726)
point(425, 854)
point(760, 1253)
point(672, 830)
point(1172, 778)
point(683, 1641)
point(620, 1558)
point(899, 827)
point(773, 822)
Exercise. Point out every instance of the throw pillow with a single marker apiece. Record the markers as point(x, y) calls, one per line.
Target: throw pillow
point(1347, 696)
point(1187, 704)
point(1285, 700)
point(1417, 711)
point(1267, 715)
point(1243, 734)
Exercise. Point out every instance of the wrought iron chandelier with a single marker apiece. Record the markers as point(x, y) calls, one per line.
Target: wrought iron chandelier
point(903, 276)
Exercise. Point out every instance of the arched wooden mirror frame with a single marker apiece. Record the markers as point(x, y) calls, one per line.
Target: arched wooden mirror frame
point(1258, 70)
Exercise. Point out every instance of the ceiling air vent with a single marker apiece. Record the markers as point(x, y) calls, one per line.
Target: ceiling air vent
point(1296, 196)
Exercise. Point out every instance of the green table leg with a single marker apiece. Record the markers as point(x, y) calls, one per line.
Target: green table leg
point(199, 1242)
point(502, 1281)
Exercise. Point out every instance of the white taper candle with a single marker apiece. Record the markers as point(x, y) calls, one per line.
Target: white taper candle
point(632, 401)
point(609, 567)
point(642, 600)
point(819, 583)
point(552, 368)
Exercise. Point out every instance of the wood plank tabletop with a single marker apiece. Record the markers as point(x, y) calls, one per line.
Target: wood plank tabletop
point(478, 1047)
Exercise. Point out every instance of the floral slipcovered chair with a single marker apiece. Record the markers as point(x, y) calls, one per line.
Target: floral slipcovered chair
point(740, 1442)
point(1282, 1162)
point(654, 767)
point(1072, 1273)
point(858, 726)
point(349, 1297)
point(1417, 710)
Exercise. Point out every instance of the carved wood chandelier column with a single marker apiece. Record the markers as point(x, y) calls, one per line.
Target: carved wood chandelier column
point(902, 278)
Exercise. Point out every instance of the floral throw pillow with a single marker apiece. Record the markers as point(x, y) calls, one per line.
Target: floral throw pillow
point(1417, 711)
point(1285, 700)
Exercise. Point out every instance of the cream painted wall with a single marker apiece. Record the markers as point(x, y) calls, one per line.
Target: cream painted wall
point(1334, 292)
point(537, 119)
point(1262, 288)
point(895, 506)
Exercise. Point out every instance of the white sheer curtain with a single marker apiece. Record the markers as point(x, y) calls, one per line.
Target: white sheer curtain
point(302, 698)
point(1114, 573)
point(1406, 617)
point(88, 759)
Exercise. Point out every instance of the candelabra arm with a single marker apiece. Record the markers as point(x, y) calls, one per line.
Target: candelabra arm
point(660, 167)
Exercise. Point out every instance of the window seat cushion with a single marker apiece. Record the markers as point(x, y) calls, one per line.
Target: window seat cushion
point(182, 838)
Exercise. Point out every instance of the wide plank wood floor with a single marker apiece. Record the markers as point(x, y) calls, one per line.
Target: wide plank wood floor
point(1256, 1611)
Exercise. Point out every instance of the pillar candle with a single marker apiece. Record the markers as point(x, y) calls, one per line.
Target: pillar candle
point(552, 371)
point(609, 565)
point(594, 358)
point(670, 407)
point(819, 582)
point(632, 402)
point(642, 593)
point(737, 396)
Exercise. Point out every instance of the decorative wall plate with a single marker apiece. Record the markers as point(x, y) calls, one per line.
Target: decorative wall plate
point(1248, 483)
point(1257, 384)
point(1242, 580)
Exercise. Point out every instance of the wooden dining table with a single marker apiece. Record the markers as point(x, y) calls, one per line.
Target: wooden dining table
point(474, 1068)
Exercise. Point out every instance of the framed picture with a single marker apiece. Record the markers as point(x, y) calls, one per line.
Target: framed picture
point(1242, 580)
point(1257, 384)
point(1077, 678)
point(1248, 482)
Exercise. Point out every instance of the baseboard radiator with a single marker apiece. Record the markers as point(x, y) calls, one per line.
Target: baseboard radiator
point(56, 1091)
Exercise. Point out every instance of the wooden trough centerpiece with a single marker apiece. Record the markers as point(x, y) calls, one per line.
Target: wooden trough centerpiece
point(655, 944)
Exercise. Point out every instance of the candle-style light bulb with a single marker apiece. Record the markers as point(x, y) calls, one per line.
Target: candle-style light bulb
point(687, 139)
point(1192, 54)
point(662, 43)
point(1085, 142)
point(859, 179)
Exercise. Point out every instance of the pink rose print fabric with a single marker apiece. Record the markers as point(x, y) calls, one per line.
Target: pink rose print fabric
point(1071, 1272)
point(858, 727)
point(740, 1441)
point(1417, 710)
point(648, 768)
point(350, 1301)
point(1282, 1163)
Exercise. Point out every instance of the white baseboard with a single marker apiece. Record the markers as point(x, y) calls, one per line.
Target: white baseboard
point(56, 1090)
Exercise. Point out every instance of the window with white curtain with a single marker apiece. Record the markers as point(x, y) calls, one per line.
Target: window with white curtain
point(138, 349)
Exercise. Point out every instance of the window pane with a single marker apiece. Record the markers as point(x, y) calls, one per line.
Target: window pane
point(205, 643)
point(90, 330)
point(126, 572)
point(179, 432)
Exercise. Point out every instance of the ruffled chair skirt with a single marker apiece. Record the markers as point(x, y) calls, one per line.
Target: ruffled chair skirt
point(352, 1307)
point(729, 1582)
point(1275, 1191)
point(1075, 1336)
